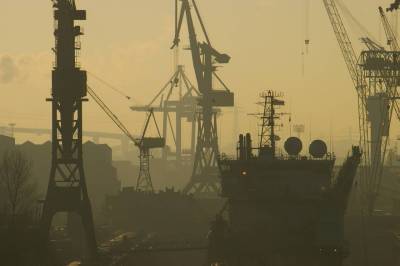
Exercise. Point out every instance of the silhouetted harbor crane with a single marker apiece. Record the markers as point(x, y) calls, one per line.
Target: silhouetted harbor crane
point(178, 96)
point(144, 182)
point(375, 77)
point(204, 180)
point(67, 190)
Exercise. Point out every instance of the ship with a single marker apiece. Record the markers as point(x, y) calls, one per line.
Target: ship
point(283, 208)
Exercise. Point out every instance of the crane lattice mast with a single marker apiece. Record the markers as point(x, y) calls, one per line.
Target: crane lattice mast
point(350, 58)
point(177, 96)
point(390, 35)
point(374, 85)
point(144, 181)
point(67, 189)
point(204, 179)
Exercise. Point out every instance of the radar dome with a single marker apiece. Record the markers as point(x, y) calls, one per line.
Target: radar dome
point(318, 148)
point(293, 146)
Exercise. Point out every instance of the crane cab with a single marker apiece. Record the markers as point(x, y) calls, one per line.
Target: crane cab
point(152, 143)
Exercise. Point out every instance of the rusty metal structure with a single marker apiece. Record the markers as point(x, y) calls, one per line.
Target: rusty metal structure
point(67, 190)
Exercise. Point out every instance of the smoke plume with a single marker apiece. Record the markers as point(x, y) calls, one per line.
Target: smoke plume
point(8, 69)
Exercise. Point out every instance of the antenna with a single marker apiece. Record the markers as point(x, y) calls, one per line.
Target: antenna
point(290, 117)
point(307, 25)
point(330, 135)
point(270, 103)
point(310, 132)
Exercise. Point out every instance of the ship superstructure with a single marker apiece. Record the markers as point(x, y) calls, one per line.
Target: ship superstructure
point(283, 208)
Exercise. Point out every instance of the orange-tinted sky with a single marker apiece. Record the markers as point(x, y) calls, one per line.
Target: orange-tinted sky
point(127, 43)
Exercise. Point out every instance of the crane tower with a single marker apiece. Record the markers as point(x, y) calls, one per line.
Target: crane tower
point(375, 76)
point(67, 191)
point(179, 97)
point(145, 144)
point(204, 180)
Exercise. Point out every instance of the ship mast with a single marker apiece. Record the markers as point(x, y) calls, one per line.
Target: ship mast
point(268, 137)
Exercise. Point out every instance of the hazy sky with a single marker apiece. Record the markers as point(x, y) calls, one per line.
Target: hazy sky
point(127, 43)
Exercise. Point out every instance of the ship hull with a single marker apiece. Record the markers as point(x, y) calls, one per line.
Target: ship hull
point(283, 212)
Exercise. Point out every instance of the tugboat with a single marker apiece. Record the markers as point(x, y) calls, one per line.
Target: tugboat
point(283, 209)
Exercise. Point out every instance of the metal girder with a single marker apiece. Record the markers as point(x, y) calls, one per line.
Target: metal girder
point(374, 75)
point(381, 70)
point(67, 190)
point(205, 173)
point(177, 96)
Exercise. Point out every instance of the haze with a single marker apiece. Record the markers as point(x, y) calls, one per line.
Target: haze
point(127, 44)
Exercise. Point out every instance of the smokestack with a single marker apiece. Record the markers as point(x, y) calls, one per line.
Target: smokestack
point(248, 146)
point(241, 148)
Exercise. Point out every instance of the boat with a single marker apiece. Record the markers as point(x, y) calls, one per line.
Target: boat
point(283, 208)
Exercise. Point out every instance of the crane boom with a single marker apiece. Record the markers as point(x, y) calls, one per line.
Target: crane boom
point(371, 148)
point(371, 45)
point(205, 167)
point(111, 115)
point(355, 72)
point(344, 41)
point(390, 35)
point(194, 45)
point(144, 182)
point(394, 46)
point(376, 85)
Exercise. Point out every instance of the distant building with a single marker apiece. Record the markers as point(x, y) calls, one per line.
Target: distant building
point(101, 175)
point(127, 173)
point(6, 143)
point(40, 156)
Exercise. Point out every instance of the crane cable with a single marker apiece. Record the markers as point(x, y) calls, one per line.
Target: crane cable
point(111, 115)
point(120, 92)
point(307, 26)
point(354, 21)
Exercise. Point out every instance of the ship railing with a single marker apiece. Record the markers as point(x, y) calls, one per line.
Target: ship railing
point(328, 156)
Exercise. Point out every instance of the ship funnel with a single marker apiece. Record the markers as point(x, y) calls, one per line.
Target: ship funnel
point(318, 149)
point(244, 148)
point(293, 146)
point(241, 147)
point(249, 146)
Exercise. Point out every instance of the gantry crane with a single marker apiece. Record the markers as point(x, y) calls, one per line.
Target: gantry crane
point(144, 181)
point(374, 78)
point(204, 178)
point(177, 96)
